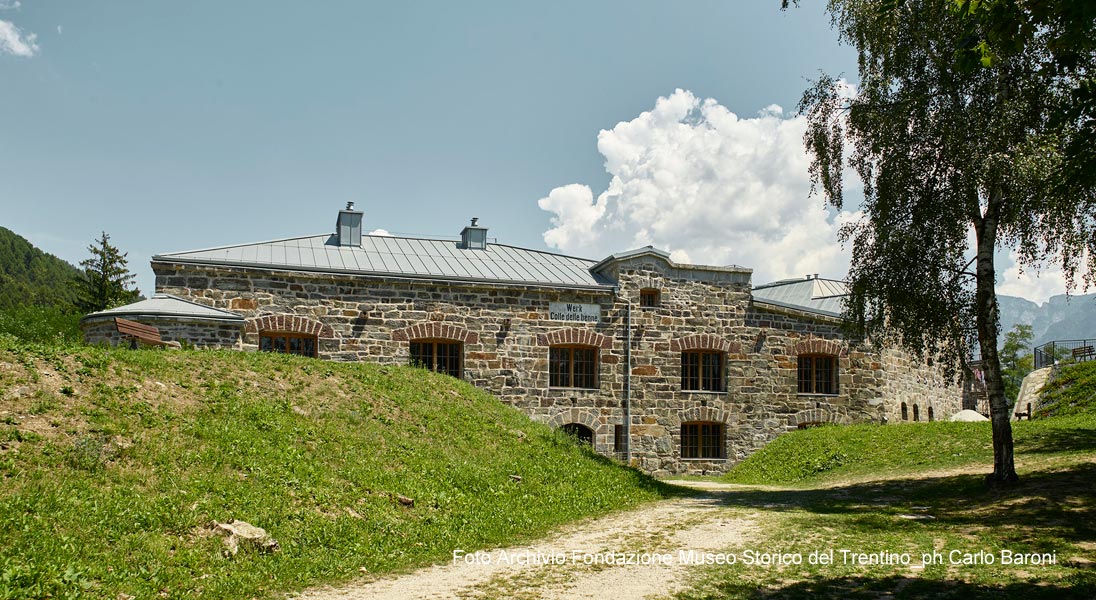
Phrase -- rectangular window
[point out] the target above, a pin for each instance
(439, 356)
(620, 443)
(649, 298)
(572, 367)
(702, 440)
(817, 375)
(288, 343)
(702, 371)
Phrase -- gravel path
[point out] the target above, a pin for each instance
(700, 524)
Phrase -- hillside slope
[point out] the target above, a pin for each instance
(1060, 318)
(114, 462)
(837, 452)
(29, 276)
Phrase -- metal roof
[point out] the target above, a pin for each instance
(403, 257)
(824, 296)
(166, 305)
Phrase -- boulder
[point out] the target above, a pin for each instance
(237, 532)
(968, 416)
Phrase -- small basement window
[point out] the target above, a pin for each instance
(440, 356)
(818, 374)
(702, 371)
(288, 343)
(650, 298)
(572, 367)
(702, 440)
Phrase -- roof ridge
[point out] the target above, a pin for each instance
(400, 237)
(227, 246)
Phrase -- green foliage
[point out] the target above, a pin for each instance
(43, 324)
(106, 278)
(30, 277)
(1072, 390)
(945, 149)
(1016, 360)
(150, 446)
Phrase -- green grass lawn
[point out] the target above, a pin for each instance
(113, 462)
(918, 489)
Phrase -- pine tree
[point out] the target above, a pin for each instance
(106, 278)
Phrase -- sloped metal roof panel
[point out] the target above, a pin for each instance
(403, 257)
(166, 305)
(825, 296)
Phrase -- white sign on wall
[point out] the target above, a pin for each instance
(576, 313)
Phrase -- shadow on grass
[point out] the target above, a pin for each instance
(1051, 441)
(1060, 503)
(1080, 586)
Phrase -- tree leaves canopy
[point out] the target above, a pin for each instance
(953, 157)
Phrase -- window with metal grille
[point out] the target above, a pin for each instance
(817, 374)
(288, 343)
(702, 371)
(650, 297)
(572, 367)
(440, 356)
(702, 440)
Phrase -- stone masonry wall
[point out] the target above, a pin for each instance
(200, 334)
(506, 335)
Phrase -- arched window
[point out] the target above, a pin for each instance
(817, 374)
(702, 371)
(931, 416)
(702, 439)
(572, 367)
(916, 413)
(905, 412)
(287, 343)
(441, 356)
(650, 298)
(581, 433)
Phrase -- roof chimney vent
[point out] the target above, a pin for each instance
(474, 237)
(348, 228)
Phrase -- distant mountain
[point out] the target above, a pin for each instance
(1057, 319)
(30, 277)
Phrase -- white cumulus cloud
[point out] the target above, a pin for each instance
(13, 41)
(1035, 284)
(694, 178)
(10, 4)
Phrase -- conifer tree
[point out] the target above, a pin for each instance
(107, 280)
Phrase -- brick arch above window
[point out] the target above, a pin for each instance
(290, 324)
(814, 415)
(582, 416)
(702, 414)
(575, 336)
(437, 331)
(819, 346)
(704, 341)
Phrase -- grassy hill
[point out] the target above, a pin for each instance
(1071, 391)
(113, 463)
(917, 491)
(838, 452)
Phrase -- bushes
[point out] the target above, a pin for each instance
(41, 324)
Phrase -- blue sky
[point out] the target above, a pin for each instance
(581, 127)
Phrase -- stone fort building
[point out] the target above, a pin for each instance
(674, 368)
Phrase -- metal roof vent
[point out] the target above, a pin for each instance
(348, 229)
(473, 236)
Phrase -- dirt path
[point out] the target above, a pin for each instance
(702, 524)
